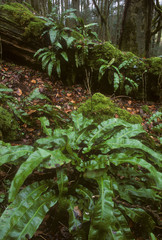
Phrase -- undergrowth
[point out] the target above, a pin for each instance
(105, 170)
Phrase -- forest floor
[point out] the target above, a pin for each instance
(23, 81)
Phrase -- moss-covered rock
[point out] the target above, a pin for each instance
(8, 126)
(101, 108)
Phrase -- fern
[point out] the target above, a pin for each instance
(62, 38)
(120, 81)
(105, 170)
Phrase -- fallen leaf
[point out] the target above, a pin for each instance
(33, 81)
(77, 212)
(72, 101)
(19, 92)
(59, 107)
(30, 129)
(31, 111)
(68, 110)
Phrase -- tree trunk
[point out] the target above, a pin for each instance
(136, 27)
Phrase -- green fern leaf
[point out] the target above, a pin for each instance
(26, 213)
(25, 170)
(65, 56)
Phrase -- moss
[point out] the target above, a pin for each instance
(22, 16)
(2, 85)
(138, 69)
(134, 68)
(8, 125)
(28, 6)
(155, 65)
(101, 108)
(34, 28)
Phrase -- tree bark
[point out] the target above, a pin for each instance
(136, 27)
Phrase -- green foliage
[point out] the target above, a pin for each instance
(120, 81)
(103, 169)
(62, 38)
(155, 117)
(8, 125)
(155, 122)
(59, 39)
(85, 40)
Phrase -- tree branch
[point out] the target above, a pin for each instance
(99, 12)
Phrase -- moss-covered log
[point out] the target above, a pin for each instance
(147, 73)
(20, 32)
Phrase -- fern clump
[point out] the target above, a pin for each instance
(104, 170)
(69, 47)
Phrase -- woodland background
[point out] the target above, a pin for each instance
(74, 163)
(131, 25)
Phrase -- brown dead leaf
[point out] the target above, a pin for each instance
(69, 94)
(19, 92)
(30, 129)
(129, 109)
(72, 101)
(33, 81)
(77, 212)
(68, 110)
(31, 111)
(57, 106)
